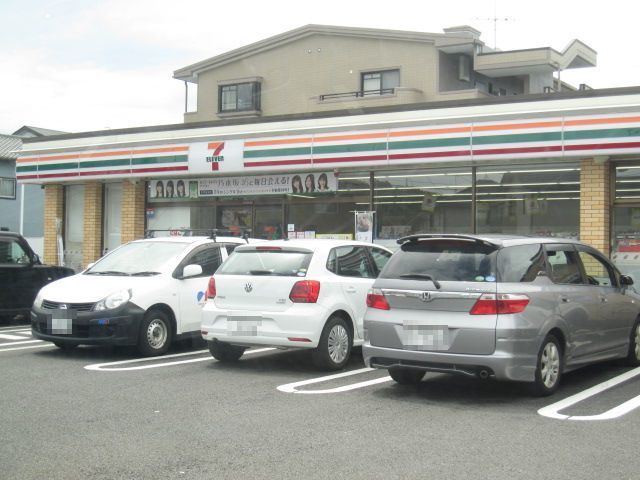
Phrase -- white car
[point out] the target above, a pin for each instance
(146, 293)
(292, 294)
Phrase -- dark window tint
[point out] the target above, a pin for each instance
(448, 260)
(598, 270)
(270, 262)
(12, 253)
(521, 263)
(380, 258)
(564, 266)
(209, 259)
(239, 97)
(350, 262)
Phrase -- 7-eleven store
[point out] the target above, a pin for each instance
(560, 165)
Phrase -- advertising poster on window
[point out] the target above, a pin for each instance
(173, 189)
(299, 183)
(364, 226)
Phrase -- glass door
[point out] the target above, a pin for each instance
(267, 222)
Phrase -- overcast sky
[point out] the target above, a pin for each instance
(79, 65)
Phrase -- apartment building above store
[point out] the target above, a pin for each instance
(318, 68)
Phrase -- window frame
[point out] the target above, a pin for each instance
(380, 73)
(12, 181)
(188, 260)
(371, 269)
(256, 93)
(613, 274)
(372, 259)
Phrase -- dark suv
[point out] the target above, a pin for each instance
(22, 276)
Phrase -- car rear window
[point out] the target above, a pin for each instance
(444, 260)
(270, 262)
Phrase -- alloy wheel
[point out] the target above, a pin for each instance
(550, 363)
(338, 343)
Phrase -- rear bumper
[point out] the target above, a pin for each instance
(503, 364)
(120, 326)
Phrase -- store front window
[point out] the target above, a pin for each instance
(422, 201)
(626, 220)
(74, 226)
(529, 200)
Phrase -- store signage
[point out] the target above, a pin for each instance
(296, 184)
(216, 156)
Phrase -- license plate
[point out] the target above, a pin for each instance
(62, 326)
(425, 337)
(243, 325)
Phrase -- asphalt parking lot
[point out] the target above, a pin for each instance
(101, 413)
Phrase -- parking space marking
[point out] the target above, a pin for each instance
(100, 367)
(552, 411)
(13, 344)
(5, 336)
(2, 350)
(292, 387)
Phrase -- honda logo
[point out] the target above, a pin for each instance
(248, 287)
(426, 296)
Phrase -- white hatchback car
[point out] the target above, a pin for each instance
(292, 294)
(146, 293)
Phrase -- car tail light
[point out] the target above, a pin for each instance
(502, 303)
(376, 299)
(305, 291)
(211, 289)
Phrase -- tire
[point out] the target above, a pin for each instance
(65, 346)
(633, 355)
(334, 347)
(406, 376)
(549, 366)
(155, 334)
(225, 352)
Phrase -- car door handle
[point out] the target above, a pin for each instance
(564, 299)
(351, 290)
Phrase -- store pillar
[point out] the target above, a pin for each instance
(53, 219)
(595, 203)
(92, 243)
(133, 210)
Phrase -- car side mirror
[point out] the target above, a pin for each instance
(626, 280)
(191, 271)
(35, 260)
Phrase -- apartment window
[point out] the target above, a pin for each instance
(239, 97)
(464, 68)
(8, 188)
(377, 83)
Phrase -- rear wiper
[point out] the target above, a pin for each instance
(144, 274)
(109, 272)
(421, 276)
(261, 272)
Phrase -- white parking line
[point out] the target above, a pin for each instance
(101, 366)
(552, 410)
(13, 344)
(5, 336)
(2, 350)
(292, 387)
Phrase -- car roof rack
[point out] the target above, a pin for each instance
(211, 233)
(456, 236)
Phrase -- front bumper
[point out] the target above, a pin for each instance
(120, 326)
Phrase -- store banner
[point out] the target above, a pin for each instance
(300, 184)
(172, 189)
(364, 226)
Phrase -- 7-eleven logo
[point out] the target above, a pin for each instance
(215, 158)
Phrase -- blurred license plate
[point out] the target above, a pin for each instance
(425, 337)
(62, 326)
(243, 325)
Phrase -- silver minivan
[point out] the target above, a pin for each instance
(507, 307)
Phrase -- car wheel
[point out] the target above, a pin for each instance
(65, 346)
(225, 352)
(548, 367)
(406, 376)
(155, 334)
(633, 357)
(335, 345)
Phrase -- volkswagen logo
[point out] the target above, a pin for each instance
(426, 296)
(248, 287)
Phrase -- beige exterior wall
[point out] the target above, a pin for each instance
(92, 245)
(53, 214)
(333, 65)
(133, 210)
(595, 203)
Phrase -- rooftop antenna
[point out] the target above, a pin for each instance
(495, 19)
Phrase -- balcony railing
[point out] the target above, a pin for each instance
(358, 94)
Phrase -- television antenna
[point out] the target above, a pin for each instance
(495, 19)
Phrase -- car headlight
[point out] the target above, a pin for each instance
(37, 303)
(113, 301)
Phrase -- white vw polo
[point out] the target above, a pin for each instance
(146, 293)
(292, 294)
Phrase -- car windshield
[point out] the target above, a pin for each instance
(443, 260)
(137, 257)
(270, 262)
